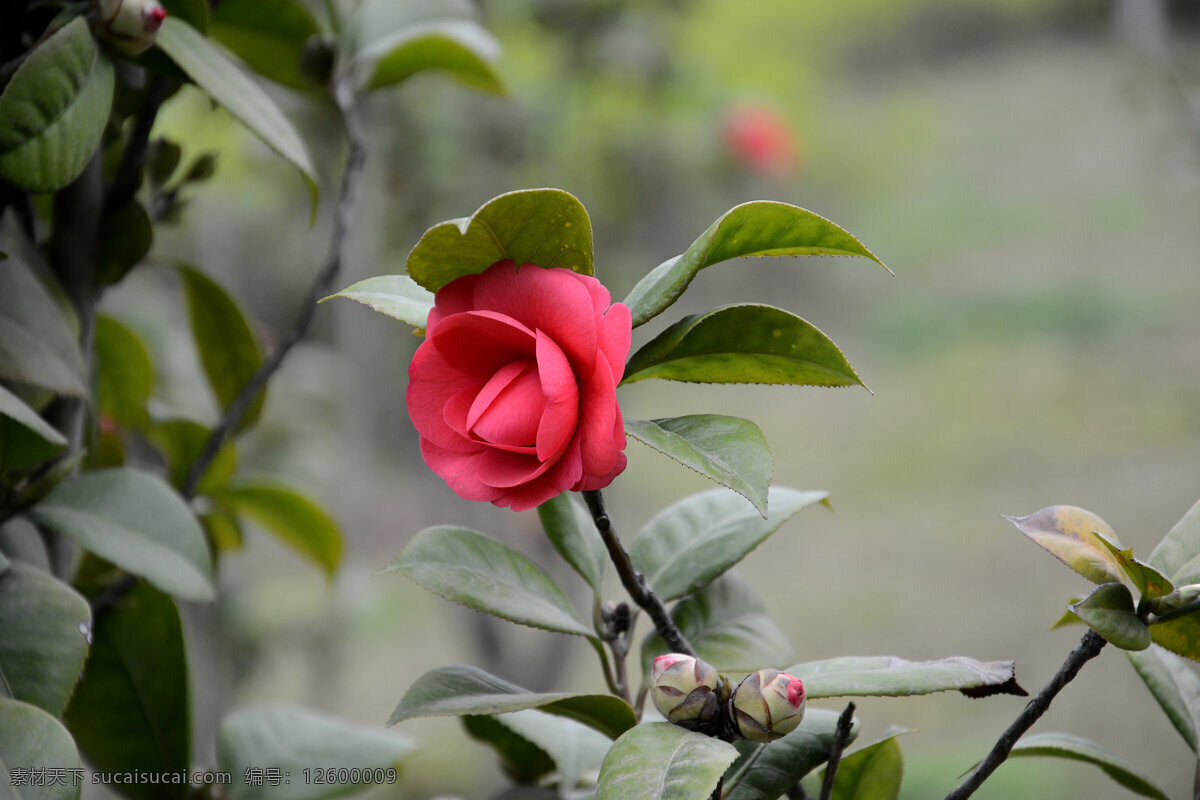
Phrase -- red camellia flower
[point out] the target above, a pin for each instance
(513, 390)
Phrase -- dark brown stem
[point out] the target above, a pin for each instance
(635, 582)
(1087, 649)
(342, 91)
(133, 158)
(841, 738)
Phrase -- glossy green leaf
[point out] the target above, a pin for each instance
(888, 676)
(688, 544)
(1180, 635)
(570, 528)
(459, 689)
(1176, 687)
(226, 83)
(729, 626)
(126, 235)
(25, 438)
(1069, 533)
(1150, 583)
(572, 748)
(124, 373)
(296, 740)
(765, 772)
(661, 761)
(458, 47)
(743, 344)
(522, 761)
(31, 739)
(873, 772)
(54, 109)
(229, 351)
(181, 441)
(398, 296)
(1064, 745)
(481, 573)
(137, 522)
(547, 227)
(37, 342)
(293, 518)
(759, 228)
(131, 711)
(1110, 612)
(46, 626)
(729, 450)
(269, 35)
(1178, 555)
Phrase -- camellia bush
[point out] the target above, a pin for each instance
(113, 507)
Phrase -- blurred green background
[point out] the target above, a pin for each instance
(1029, 170)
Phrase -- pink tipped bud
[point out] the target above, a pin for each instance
(152, 18)
(128, 26)
(686, 690)
(768, 704)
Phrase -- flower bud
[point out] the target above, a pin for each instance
(768, 704)
(686, 690)
(128, 26)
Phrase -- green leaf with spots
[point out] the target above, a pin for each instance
(547, 227)
(743, 344)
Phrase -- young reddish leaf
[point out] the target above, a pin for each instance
(1069, 533)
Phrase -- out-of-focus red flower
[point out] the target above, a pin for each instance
(759, 138)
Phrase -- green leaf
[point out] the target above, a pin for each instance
(1178, 555)
(888, 676)
(226, 83)
(398, 296)
(873, 772)
(135, 521)
(181, 441)
(1150, 583)
(661, 761)
(458, 690)
(228, 349)
(25, 438)
(124, 373)
(1109, 611)
(53, 111)
(547, 227)
(688, 544)
(522, 761)
(743, 344)
(126, 235)
(729, 450)
(572, 748)
(193, 12)
(295, 519)
(1180, 635)
(728, 625)
(459, 47)
(1069, 533)
(295, 740)
(481, 573)
(32, 740)
(752, 229)
(766, 772)
(571, 530)
(223, 530)
(1064, 745)
(20, 541)
(37, 343)
(46, 626)
(1176, 687)
(131, 710)
(269, 35)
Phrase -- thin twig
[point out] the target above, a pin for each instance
(634, 581)
(341, 89)
(133, 158)
(1088, 648)
(841, 738)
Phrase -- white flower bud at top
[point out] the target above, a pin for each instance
(686, 690)
(128, 26)
(768, 704)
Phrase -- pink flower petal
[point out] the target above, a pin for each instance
(508, 408)
(479, 343)
(597, 409)
(460, 471)
(432, 383)
(614, 333)
(561, 392)
(504, 470)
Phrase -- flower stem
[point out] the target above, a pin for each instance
(841, 737)
(1088, 648)
(634, 581)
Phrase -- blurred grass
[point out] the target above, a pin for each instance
(1035, 194)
